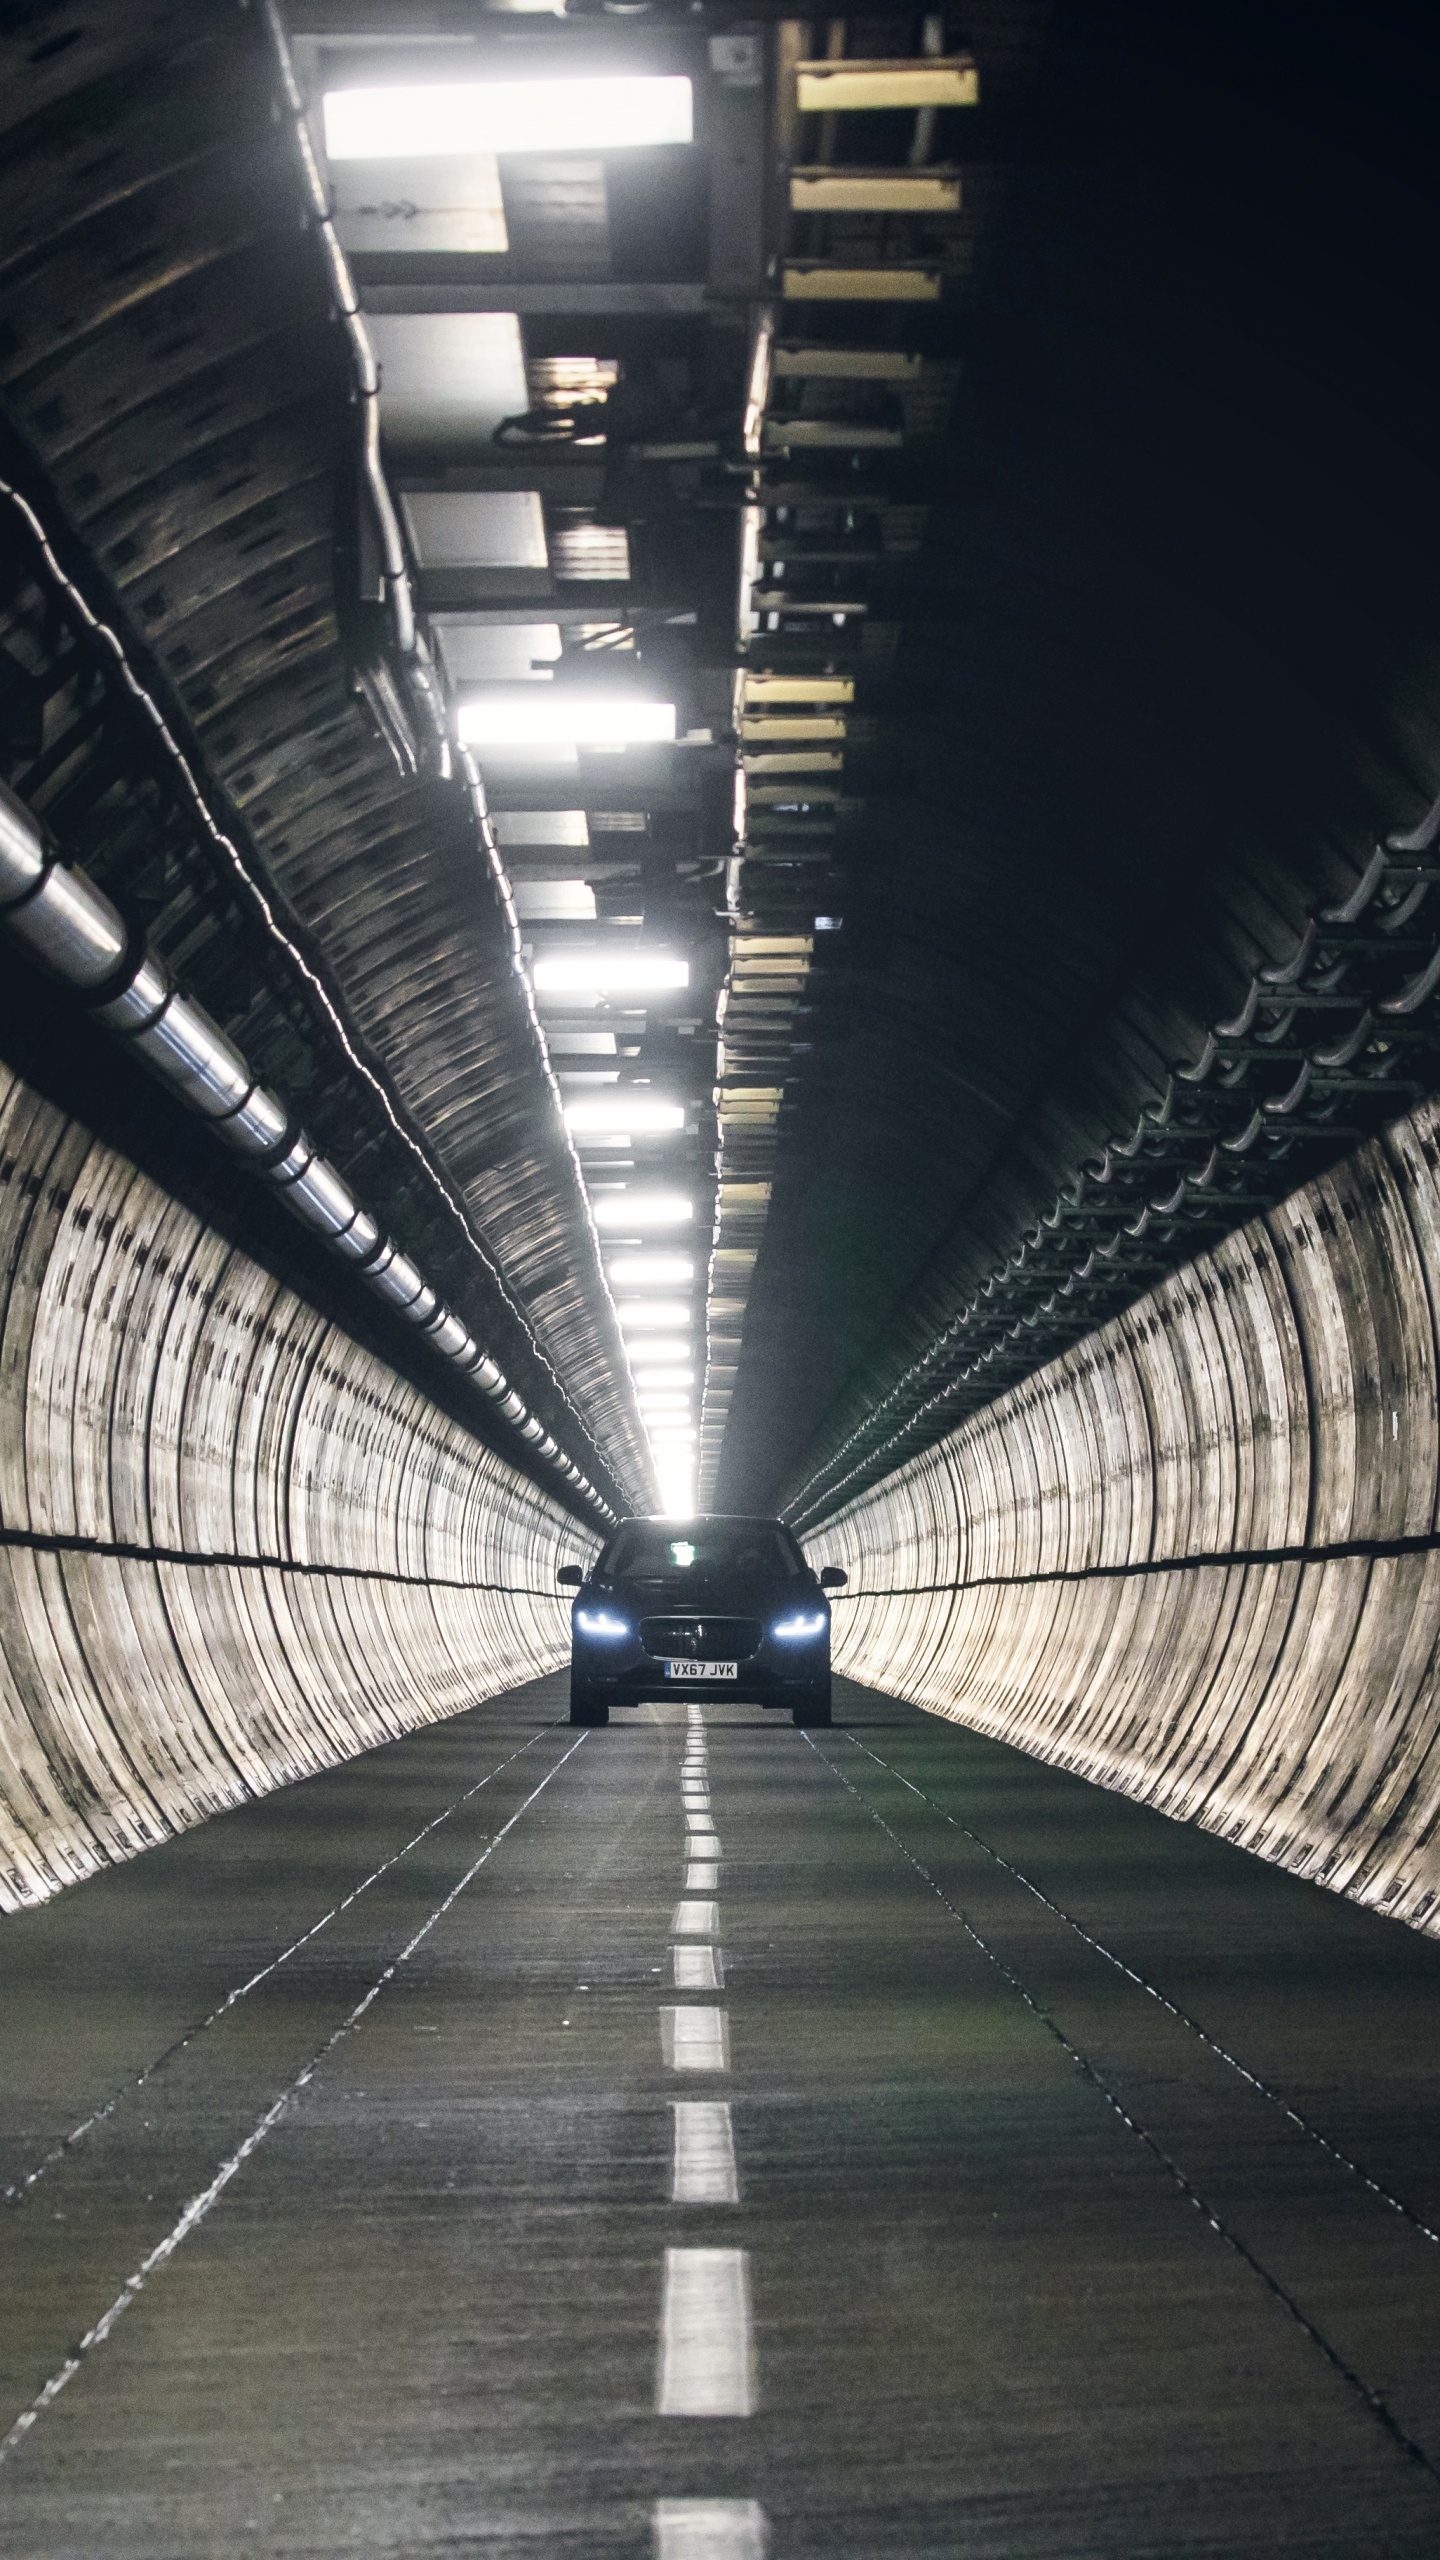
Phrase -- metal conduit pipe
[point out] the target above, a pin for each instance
(59, 918)
(422, 677)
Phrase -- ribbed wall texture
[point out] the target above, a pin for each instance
(1120, 1565)
(312, 1557)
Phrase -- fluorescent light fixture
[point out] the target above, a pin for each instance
(623, 1110)
(651, 1270)
(662, 1374)
(640, 1209)
(609, 973)
(426, 120)
(563, 715)
(654, 1315)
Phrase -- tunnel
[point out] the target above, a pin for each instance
(719, 800)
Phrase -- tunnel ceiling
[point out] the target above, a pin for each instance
(1165, 668)
(1085, 526)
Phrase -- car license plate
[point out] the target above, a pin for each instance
(702, 1671)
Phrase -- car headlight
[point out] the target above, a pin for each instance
(601, 1622)
(795, 1630)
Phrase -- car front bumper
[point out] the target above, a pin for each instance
(775, 1676)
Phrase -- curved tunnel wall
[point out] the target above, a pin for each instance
(307, 1557)
(1129, 1564)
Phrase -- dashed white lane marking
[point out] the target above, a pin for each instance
(199, 2206)
(21, 2188)
(701, 1879)
(710, 2529)
(695, 1920)
(702, 2162)
(695, 2039)
(701, 1844)
(699, 1968)
(706, 2357)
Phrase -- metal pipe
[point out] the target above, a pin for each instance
(59, 918)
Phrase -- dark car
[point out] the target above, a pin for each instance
(717, 1607)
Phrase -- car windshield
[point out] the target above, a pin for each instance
(657, 1551)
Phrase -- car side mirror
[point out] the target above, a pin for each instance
(832, 1579)
(571, 1576)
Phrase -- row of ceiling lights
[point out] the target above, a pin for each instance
(529, 722)
(654, 1288)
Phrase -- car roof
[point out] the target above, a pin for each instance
(700, 1520)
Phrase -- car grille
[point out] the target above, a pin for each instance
(701, 1639)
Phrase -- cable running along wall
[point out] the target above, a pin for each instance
(1278, 1394)
(160, 1391)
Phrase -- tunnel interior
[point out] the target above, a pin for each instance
(719, 793)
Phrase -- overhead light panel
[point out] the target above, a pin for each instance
(609, 973)
(651, 1270)
(623, 1110)
(563, 715)
(405, 120)
(638, 1210)
(654, 1315)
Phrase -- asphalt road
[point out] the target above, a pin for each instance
(952, 2159)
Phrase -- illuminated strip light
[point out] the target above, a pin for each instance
(758, 392)
(750, 528)
(544, 716)
(460, 118)
(606, 972)
(651, 1270)
(619, 1114)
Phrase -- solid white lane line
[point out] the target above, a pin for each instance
(698, 1968)
(706, 2358)
(701, 1879)
(695, 2039)
(695, 1920)
(199, 2206)
(710, 2529)
(242, 1991)
(702, 2163)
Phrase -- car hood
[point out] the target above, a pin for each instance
(749, 1597)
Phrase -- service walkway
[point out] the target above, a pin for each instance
(936, 2157)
